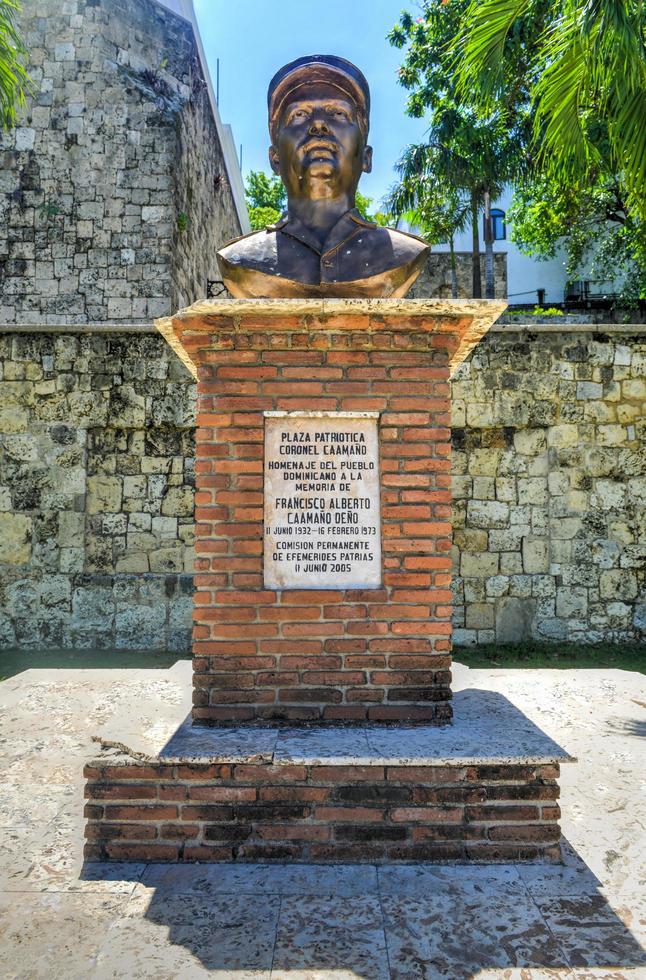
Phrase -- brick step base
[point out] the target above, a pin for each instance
(249, 810)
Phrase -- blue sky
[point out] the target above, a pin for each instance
(253, 39)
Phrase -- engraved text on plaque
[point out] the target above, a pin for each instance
(322, 525)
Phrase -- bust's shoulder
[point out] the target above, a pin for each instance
(400, 247)
(257, 244)
(404, 245)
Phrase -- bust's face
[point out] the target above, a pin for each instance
(319, 151)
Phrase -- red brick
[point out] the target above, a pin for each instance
(270, 852)
(294, 794)
(427, 814)
(120, 831)
(175, 792)
(222, 794)
(550, 813)
(549, 772)
(432, 775)
(137, 811)
(321, 662)
(134, 771)
(141, 852)
(533, 833)
(264, 774)
(310, 695)
(348, 814)
(345, 712)
(293, 832)
(179, 831)
(503, 812)
(115, 791)
(346, 774)
(207, 852)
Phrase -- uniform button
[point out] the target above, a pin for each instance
(327, 263)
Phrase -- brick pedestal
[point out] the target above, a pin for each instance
(481, 790)
(303, 655)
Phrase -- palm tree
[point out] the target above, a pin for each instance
(438, 211)
(466, 159)
(13, 76)
(586, 73)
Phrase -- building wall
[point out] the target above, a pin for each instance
(117, 142)
(525, 275)
(96, 491)
(204, 217)
(96, 478)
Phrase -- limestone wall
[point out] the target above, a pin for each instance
(96, 437)
(435, 278)
(549, 486)
(96, 491)
(113, 191)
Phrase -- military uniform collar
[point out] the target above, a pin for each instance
(348, 224)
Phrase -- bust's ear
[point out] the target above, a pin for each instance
(367, 159)
(274, 163)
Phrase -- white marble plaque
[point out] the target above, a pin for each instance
(322, 525)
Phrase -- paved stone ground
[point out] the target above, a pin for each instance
(58, 919)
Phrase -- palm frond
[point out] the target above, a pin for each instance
(13, 75)
(558, 97)
(478, 51)
(594, 69)
(628, 144)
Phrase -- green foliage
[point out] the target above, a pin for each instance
(555, 656)
(469, 155)
(537, 311)
(585, 74)
(265, 192)
(434, 207)
(590, 220)
(183, 222)
(556, 90)
(14, 79)
(364, 204)
(266, 199)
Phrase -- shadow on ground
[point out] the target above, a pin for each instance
(371, 922)
(634, 727)
(406, 921)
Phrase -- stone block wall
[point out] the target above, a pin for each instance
(113, 191)
(435, 279)
(96, 491)
(96, 450)
(549, 486)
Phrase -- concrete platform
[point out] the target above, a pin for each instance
(61, 918)
(487, 727)
(482, 789)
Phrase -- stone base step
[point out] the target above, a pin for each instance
(255, 811)
(484, 790)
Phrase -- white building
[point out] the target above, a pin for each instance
(530, 280)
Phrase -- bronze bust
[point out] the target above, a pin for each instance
(319, 109)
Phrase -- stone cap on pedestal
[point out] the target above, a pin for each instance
(468, 320)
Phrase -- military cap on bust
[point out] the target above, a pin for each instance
(337, 72)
